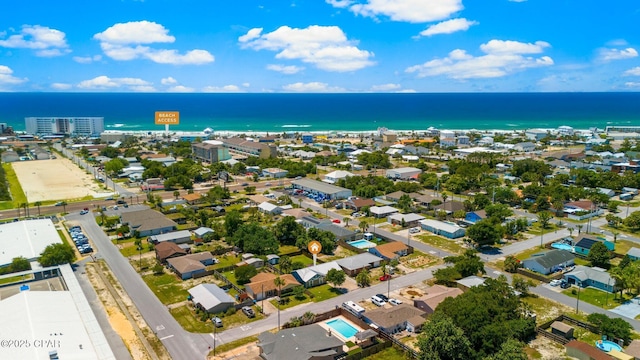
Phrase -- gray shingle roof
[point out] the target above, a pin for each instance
(358, 261)
(299, 343)
(553, 258)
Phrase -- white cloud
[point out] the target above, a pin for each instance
(46, 41)
(340, 3)
(633, 72)
(448, 27)
(87, 59)
(123, 41)
(135, 32)
(285, 69)
(385, 87)
(61, 86)
(6, 76)
(501, 58)
(616, 54)
(168, 81)
(518, 1)
(406, 91)
(223, 89)
(311, 87)
(246, 84)
(105, 82)
(180, 89)
(413, 11)
(632, 84)
(326, 47)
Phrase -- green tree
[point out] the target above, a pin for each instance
(633, 221)
(56, 254)
(498, 211)
(19, 264)
(441, 339)
(278, 281)
(232, 221)
(404, 203)
(613, 328)
(298, 292)
(64, 206)
(336, 277)
(363, 278)
(158, 269)
(485, 233)
(544, 217)
(363, 225)
(287, 230)
(285, 264)
(522, 285)
(510, 350)
(511, 264)
(38, 204)
(255, 239)
(467, 264)
(244, 273)
(599, 255)
(447, 276)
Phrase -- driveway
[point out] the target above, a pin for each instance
(629, 309)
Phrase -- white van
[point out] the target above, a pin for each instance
(376, 300)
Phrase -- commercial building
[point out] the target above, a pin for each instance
(74, 126)
(27, 238)
(245, 147)
(210, 151)
(442, 228)
(405, 173)
(324, 190)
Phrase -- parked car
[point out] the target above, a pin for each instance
(217, 321)
(414, 230)
(565, 285)
(383, 297)
(83, 212)
(59, 203)
(385, 277)
(268, 184)
(336, 221)
(555, 282)
(248, 311)
(378, 301)
(395, 301)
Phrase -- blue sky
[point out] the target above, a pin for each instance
(320, 46)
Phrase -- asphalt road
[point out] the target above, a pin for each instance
(179, 343)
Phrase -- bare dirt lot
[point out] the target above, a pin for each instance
(55, 179)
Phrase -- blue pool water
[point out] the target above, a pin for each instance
(606, 345)
(342, 327)
(362, 244)
(562, 246)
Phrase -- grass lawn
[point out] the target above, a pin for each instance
(419, 260)
(293, 301)
(390, 353)
(166, 287)
(535, 229)
(239, 318)
(231, 276)
(16, 278)
(131, 250)
(597, 297)
(320, 293)
(302, 259)
(187, 319)
(234, 344)
(226, 261)
(623, 246)
(451, 246)
(287, 249)
(581, 261)
(17, 194)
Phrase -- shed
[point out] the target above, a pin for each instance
(211, 298)
(562, 329)
(273, 259)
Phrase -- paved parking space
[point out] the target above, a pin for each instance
(630, 309)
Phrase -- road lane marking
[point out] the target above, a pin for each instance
(159, 327)
(166, 337)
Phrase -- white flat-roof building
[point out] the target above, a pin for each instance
(404, 173)
(324, 190)
(334, 176)
(83, 126)
(26, 238)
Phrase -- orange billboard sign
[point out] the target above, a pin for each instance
(167, 117)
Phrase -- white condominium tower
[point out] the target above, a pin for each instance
(74, 126)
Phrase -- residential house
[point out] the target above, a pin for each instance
(296, 213)
(334, 176)
(262, 285)
(583, 351)
(525, 147)
(357, 203)
(168, 250)
(395, 196)
(549, 261)
(584, 276)
(470, 281)
(443, 228)
(352, 265)
(252, 261)
(269, 208)
(147, 222)
(634, 253)
(307, 138)
(473, 217)
(315, 275)
(273, 259)
(584, 242)
(310, 342)
(425, 200)
(192, 199)
(409, 220)
(433, 296)
(608, 192)
(634, 349)
(535, 134)
(390, 250)
(202, 231)
(382, 211)
(394, 319)
(211, 298)
(188, 266)
(274, 173)
(450, 206)
(177, 237)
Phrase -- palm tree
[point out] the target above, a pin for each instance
(444, 201)
(285, 265)
(579, 226)
(278, 281)
(570, 231)
(363, 278)
(346, 220)
(176, 194)
(615, 235)
(38, 204)
(363, 225)
(64, 206)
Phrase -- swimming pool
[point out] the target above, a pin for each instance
(342, 327)
(362, 244)
(606, 345)
(562, 246)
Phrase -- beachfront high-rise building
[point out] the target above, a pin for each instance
(210, 151)
(74, 126)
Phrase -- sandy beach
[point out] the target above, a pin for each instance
(55, 179)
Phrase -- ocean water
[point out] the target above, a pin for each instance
(278, 113)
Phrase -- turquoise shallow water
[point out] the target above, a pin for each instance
(332, 112)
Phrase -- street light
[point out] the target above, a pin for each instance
(578, 299)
